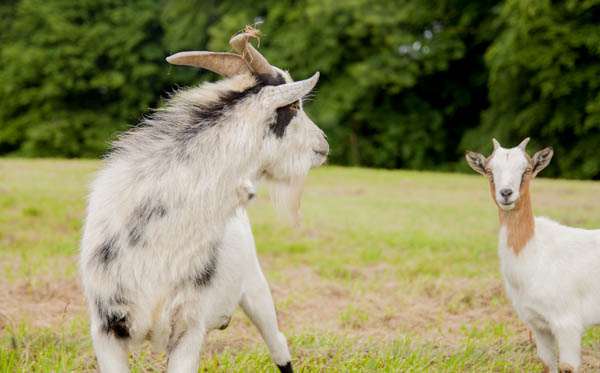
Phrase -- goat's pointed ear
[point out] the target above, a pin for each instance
(541, 159)
(224, 64)
(496, 144)
(285, 94)
(476, 161)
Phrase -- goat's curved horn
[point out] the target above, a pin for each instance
(225, 64)
(523, 144)
(286, 94)
(257, 63)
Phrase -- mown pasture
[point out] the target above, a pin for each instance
(390, 271)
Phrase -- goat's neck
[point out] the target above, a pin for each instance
(519, 222)
(215, 198)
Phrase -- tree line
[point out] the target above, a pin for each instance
(404, 83)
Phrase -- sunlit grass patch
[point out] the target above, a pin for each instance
(388, 271)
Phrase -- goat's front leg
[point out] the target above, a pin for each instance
(568, 336)
(111, 352)
(184, 355)
(258, 305)
(546, 349)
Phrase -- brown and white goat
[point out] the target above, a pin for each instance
(551, 271)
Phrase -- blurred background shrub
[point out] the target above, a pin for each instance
(404, 84)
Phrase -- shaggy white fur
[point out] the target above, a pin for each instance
(167, 252)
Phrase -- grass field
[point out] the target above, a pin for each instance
(390, 271)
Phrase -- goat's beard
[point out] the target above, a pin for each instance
(287, 196)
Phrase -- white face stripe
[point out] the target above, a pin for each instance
(507, 167)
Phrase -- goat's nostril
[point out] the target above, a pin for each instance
(506, 193)
(325, 136)
(323, 152)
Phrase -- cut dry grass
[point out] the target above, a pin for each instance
(390, 271)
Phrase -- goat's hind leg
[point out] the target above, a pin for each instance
(111, 351)
(184, 354)
(568, 336)
(546, 349)
(257, 303)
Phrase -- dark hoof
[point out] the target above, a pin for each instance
(224, 326)
(565, 368)
(546, 368)
(287, 368)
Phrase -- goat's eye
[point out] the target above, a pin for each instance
(294, 106)
(528, 171)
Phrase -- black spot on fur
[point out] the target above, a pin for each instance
(209, 114)
(285, 114)
(204, 276)
(142, 214)
(267, 79)
(113, 321)
(107, 251)
(287, 368)
(119, 326)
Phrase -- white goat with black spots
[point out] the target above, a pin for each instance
(551, 271)
(167, 252)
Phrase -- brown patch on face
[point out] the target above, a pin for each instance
(519, 221)
(493, 190)
(491, 177)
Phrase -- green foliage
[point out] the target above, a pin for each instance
(545, 83)
(393, 90)
(406, 83)
(76, 72)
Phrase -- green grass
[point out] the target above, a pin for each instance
(389, 271)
